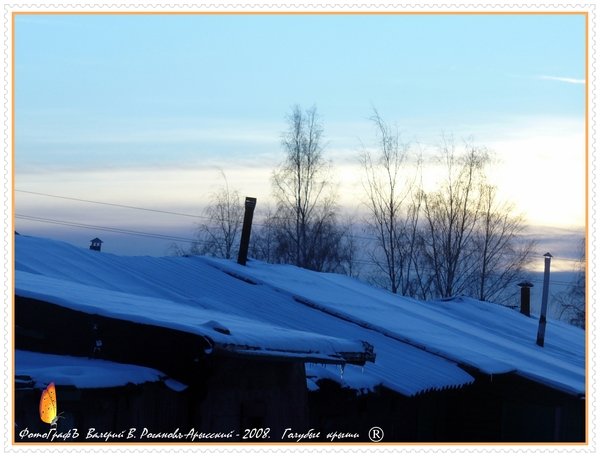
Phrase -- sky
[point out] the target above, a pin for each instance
(147, 110)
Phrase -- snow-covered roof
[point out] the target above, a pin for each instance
(486, 336)
(200, 283)
(38, 370)
(224, 332)
(419, 345)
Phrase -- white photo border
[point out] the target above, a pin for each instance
(8, 178)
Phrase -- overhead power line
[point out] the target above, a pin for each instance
(111, 204)
(533, 256)
(118, 205)
(169, 237)
(106, 229)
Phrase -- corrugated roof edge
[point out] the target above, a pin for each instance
(579, 393)
(545, 381)
(339, 315)
(449, 357)
(338, 358)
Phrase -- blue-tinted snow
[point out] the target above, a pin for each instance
(200, 283)
(226, 331)
(83, 372)
(487, 336)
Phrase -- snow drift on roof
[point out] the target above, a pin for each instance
(226, 332)
(202, 285)
(486, 336)
(80, 372)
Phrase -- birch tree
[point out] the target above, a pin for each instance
(450, 215)
(306, 229)
(501, 256)
(394, 203)
(219, 236)
(470, 237)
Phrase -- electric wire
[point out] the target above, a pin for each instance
(533, 256)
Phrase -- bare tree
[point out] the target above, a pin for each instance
(501, 257)
(394, 207)
(451, 214)
(221, 234)
(572, 301)
(350, 248)
(471, 239)
(263, 244)
(306, 229)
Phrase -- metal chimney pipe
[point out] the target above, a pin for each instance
(250, 204)
(525, 297)
(542, 324)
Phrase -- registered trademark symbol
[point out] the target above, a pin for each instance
(376, 434)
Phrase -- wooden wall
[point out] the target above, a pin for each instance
(238, 394)
(226, 392)
(505, 408)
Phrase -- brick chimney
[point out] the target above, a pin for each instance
(525, 297)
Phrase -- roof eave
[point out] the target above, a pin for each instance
(337, 358)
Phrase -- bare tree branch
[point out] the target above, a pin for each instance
(305, 228)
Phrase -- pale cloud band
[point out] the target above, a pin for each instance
(562, 79)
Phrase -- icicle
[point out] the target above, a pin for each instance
(98, 346)
(342, 366)
(362, 370)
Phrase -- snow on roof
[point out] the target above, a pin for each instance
(81, 372)
(486, 336)
(226, 332)
(213, 290)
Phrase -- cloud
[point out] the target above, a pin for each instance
(562, 79)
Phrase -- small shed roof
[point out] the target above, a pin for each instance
(41, 369)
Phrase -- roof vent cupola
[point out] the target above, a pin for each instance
(96, 244)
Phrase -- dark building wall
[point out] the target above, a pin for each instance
(505, 408)
(50, 328)
(537, 413)
(113, 410)
(239, 394)
(242, 394)
(423, 418)
(225, 392)
(509, 408)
